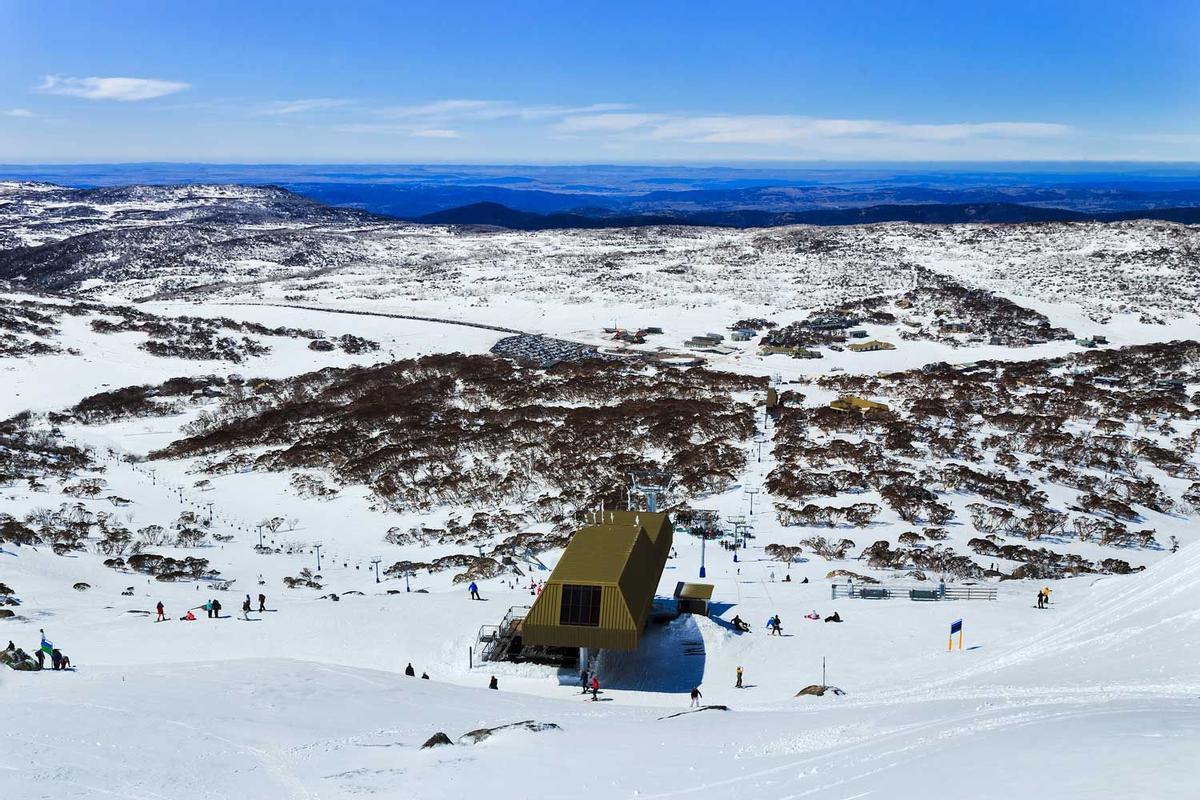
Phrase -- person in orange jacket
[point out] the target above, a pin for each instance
(595, 686)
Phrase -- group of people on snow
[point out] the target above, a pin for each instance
(1043, 597)
(58, 659)
(590, 682)
(412, 673)
(212, 609)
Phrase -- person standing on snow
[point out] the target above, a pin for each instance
(583, 680)
(1041, 600)
(246, 608)
(474, 590)
(208, 608)
(409, 671)
(493, 683)
(162, 612)
(739, 678)
(262, 602)
(696, 697)
(216, 608)
(595, 686)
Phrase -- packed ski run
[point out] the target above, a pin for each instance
(256, 484)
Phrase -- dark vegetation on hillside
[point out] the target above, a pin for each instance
(1101, 423)
(484, 432)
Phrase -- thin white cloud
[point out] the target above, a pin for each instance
(436, 133)
(19, 112)
(466, 109)
(595, 123)
(119, 89)
(280, 107)
(786, 129)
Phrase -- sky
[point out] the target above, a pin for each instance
(598, 82)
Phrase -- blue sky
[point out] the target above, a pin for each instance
(265, 81)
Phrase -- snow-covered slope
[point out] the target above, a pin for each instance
(1093, 697)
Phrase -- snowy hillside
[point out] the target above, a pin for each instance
(218, 391)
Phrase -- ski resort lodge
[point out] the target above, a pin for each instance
(600, 593)
(852, 402)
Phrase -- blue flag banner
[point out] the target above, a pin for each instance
(47, 645)
(955, 626)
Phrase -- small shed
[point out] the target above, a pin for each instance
(693, 598)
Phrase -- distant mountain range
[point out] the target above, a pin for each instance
(498, 215)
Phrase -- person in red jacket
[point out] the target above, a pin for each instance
(595, 687)
(162, 612)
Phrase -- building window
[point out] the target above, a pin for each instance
(580, 606)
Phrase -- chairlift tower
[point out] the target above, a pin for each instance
(650, 483)
(709, 521)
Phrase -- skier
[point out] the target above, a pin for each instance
(493, 683)
(216, 608)
(162, 612)
(246, 608)
(208, 608)
(696, 697)
(474, 590)
(409, 671)
(583, 680)
(595, 686)
(739, 678)
(262, 602)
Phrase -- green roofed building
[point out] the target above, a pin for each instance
(600, 594)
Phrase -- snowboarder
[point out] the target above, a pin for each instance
(162, 612)
(813, 615)
(595, 686)
(474, 590)
(56, 659)
(1041, 599)
(739, 678)
(1046, 592)
(216, 608)
(409, 671)
(424, 676)
(696, 697)
(189, 616)
(66, 662)
(583, 680)
(740, 625)
(262, 602)
(208, 608)
(246, 608)
(493, 683)
(834, 618)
